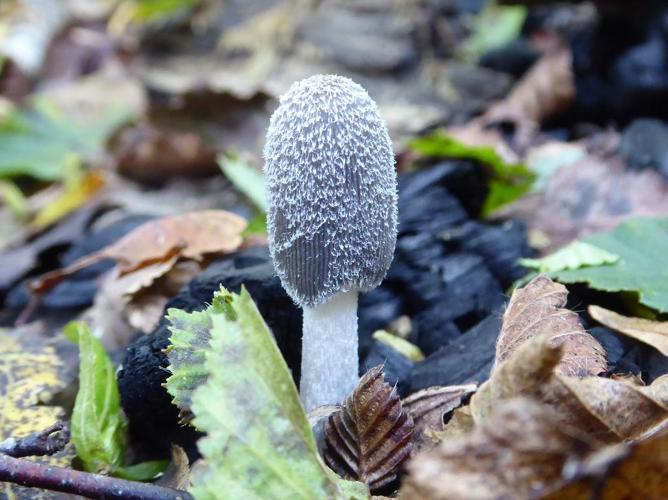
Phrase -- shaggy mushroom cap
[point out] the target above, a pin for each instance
(331, 187)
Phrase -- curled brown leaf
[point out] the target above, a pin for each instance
(429, 406)
(518, 450)
(190, 236)
(538, 308)
(370, 437)
(608, 410)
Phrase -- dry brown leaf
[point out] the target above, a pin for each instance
(516, 452)
(590, 196)
(546, 89)
(177, 474)
(609, 410)
(428, 407)
(654, 333)
(370, 437)
(635, 471)
(539, 308)
(190, 235)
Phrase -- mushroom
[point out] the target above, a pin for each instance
(332, 220)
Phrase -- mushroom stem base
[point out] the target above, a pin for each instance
(330, 361)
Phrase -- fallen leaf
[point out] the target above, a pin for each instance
(259, 442)
(428, 408)
(587, 197)
(177, 474)
(654, 333)
(573, 256)
(370, 437)
(635, 471)
(546, 89)
(18, 261)
(518, 450)
(31, 373)
(74, 194)
(41, 140)
(608, 410)
(641, 245)
(539, 308)
(191, 236)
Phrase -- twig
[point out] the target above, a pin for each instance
(47, 442)
(35, 475)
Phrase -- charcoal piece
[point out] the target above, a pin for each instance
(153, 418)
(614, 345)
(396, 367)
(79, 289)
(640, 78)
(433, 211)
(376, 310)
(500, 245)
(514, 58)
(419, 251)
(461, 287)
(466, 359)
(644, 144)
(466, 181)
(431, 330)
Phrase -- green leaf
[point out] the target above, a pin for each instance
(145, 11)
(246, 179)
(144, 471)
(41, 141)
(98, 429)
(641, 267)
(494, 27)
(577, 255)
(259, 443)
(186, 353)
(507, 181)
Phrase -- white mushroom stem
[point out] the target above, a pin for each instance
(329, 351)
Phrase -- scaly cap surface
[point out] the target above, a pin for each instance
(331, 188)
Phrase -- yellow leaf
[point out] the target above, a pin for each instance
(73, 196)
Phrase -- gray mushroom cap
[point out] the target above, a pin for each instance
(331, 188)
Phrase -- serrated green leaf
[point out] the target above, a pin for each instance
(259, 443)
(98, 429)
(246, 179)
(40, 140)
(641, 245)
(186, 354)
(576, 255)
(507, 181)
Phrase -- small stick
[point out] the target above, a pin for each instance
(35, 475)
(47, 442)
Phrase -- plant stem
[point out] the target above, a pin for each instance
(37, 475)
(330, 363)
